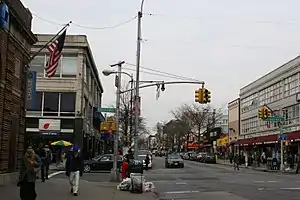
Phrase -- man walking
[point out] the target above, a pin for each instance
(74, 169)
(43, 155)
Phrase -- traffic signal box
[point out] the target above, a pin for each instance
(264, 113)
(202, 96)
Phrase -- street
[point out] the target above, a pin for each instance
(212, 182)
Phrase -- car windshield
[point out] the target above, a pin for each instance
(210, 154)
(96, 158)
(174, 157)
(141, 157)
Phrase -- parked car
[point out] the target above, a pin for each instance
(201, 156)
(174, 160)
(210, 158)
(101, 163)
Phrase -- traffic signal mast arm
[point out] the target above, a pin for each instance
(166, 83)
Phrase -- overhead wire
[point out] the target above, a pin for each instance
(88, 27)
(164, 73)
(158, 74)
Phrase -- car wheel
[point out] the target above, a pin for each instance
(182, 166)
(87, 168)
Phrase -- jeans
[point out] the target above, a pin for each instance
(74, 181)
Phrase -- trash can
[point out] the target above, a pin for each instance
(137, 181)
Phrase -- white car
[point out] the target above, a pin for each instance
(143, 158)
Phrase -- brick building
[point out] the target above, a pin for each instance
(15, 42)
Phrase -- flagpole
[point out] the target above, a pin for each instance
(39, 51)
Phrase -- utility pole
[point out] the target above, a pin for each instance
(130, 111)
(137, 92)
(115, 171)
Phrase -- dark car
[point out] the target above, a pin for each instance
(101, 163)
(174, 160)
(210, 158)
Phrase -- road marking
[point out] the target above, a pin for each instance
(272, 181)
(259, 181)
(182, 183)
(290, 188)
(181, 192)
(56, 173)
(260, 189)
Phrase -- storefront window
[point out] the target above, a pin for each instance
(67, 104)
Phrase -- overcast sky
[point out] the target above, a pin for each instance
(227, 44)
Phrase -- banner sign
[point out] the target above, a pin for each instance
(31, 90)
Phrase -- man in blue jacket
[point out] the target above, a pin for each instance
(74, 169)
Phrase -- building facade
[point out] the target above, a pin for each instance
(66, 104)
(279, 90)
(16, 40)
(234, 120)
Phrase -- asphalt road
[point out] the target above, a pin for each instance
(215, 182)
(212, 182)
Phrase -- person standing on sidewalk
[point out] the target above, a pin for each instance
(28, 170)
(74, 169)
(236, 161)
(43, 155)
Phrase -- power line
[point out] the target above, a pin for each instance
(87, 27)
(157, 74)
(166, 73)
(292, 22)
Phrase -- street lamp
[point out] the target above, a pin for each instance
(114, 171)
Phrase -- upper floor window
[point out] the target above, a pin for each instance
(55, 104)
(69, 66)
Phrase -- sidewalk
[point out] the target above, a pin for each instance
(262, 169)
(58, 189)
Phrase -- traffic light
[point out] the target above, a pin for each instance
(206, 95)
(267, 112)
(261, 113)
(199, 96)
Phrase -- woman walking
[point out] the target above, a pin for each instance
(29, 168)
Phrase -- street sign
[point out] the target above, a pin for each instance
(282, 137)
(109, 110)
(274, 119)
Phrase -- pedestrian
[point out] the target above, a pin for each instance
(48, 160)
(147, 161)
(74, 169)
(298, 163)
(236, 161)
(28, 170)
(42, 154)
(125, 166)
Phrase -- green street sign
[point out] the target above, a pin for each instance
(108, 110)
(274, 119)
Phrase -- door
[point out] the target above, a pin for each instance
(105, 162)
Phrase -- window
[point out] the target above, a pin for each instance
(106, 158)
(38, 103)
(84, 71)
(68, 123)
(17, 68)
(69, 66)
(67, 103)
(51, 100)
(38, 64)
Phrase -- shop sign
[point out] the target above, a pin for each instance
(50, 133)
(49, 124)
(222, 141)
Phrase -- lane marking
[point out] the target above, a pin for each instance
(56, 173)
(181, 183)
(272, 181)
(260, 189)
(298, 188)
(181, 192)
(259, 181)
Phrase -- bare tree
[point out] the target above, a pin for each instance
(197, 118)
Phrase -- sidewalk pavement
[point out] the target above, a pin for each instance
(262, 169)
(59, 189)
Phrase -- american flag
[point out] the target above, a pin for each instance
(55, 49)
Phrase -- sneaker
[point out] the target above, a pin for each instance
(75, 194)
(71, 190)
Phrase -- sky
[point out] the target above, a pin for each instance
(227, 44)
